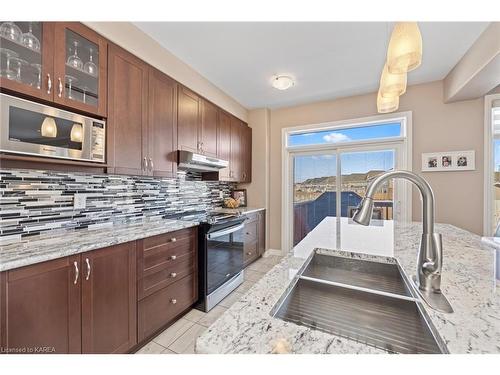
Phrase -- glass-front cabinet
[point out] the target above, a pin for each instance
(63, 62)
(26, 58)
(80, 68)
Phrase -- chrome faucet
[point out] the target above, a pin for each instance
(430, 254)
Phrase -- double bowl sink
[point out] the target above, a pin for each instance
(367, 301)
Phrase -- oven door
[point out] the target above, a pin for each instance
(224, 255)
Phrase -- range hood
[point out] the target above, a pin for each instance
(200, 163)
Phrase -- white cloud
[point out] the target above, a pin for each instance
(336, 137)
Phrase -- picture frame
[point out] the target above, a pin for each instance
(451, 161)
(241, 195)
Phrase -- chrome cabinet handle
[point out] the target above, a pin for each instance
(60, 87)
(49, 84)
(173, 274)
(173, 301)
(77, 272)
(173, 239)
(151, 165)
(88, 268)
(173, 257)
(144, 164)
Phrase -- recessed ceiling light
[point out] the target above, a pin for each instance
(282, 82)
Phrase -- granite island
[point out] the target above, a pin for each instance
(468, 281)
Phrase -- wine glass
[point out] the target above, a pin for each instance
(7, 72)
(70, 81)
(38, 75)
(29, 40)
(20, 62)
(74, 61)
(89, 66)
(11, 31)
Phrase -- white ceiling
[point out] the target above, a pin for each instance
(327, 59)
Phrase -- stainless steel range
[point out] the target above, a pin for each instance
(220, 255)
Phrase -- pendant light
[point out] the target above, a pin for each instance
(392, 85)
(405, 48)
(387, 105)
(49, 127)
(76, 133)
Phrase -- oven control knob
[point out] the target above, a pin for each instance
(173, 274)
(173, 301)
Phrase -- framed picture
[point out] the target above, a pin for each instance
(241, 196)
(449, 161)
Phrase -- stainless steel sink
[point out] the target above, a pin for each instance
(367, 301)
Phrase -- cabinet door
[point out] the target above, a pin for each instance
(42, 307)
(109, 300)
(236, 150)
(246, 153)
(27, 58)
(188, 121)
(208, 130)
(162, 129)
(80, 68)
(224, 143)
(127, 112)
(261, 232)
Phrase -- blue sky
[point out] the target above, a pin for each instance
(355, 162)
(497, 155)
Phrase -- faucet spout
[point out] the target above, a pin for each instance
(430, 254)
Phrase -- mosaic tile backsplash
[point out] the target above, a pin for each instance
(34, 202)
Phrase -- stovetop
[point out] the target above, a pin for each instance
(204, 217)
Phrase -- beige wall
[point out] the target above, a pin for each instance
(134, 40)
(436, 127)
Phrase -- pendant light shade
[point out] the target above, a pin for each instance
(387, 105)
(392, 85)
(405, 48)
(76, 133)
(49, 127)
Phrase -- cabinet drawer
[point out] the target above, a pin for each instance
(160, 308)
(253, 216)
(250, 252)
(161, 256)
(166, 274)
(251, 231)
(162, 239)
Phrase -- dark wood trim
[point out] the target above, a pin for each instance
(3, 304)
(60, 66)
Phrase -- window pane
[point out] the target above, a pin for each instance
(314, 192)
(357, 170)
(496, 186)
(364, 133)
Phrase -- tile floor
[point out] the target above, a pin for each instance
(181, 336)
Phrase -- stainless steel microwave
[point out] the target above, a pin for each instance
(30, 128)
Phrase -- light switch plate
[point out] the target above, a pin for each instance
(79, 201)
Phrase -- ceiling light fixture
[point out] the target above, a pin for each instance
(392, 85)
(49, 127)
(282, 82)
(405, 48)
(387, 105)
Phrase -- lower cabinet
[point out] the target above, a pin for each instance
(80, 304)
(167, 270)
(254, 236)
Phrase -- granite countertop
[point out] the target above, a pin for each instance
(468, 281)
(240, 210)
(64, 243)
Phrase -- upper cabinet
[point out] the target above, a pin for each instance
(62, 62)
(80, 68)
(188, 120)
(224, 143)
(246, 150)
(26, 58)
(127, 113)
(208, 129)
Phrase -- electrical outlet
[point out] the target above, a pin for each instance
(79, 201)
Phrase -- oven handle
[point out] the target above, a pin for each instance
(225, 231)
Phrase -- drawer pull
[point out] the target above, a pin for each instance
(249, 253)
(173, 274)
(173, 239)
(173, 257)
(173, 301)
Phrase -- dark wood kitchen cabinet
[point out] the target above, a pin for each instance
(254, 243)
(162, 124)
(83, 303)
(80, 68)
(67, 66)
(188, 120)
(236, 160)
(261, 232)
(246, 153)
(109, 297)
(42, 307)
(224, 143)
(208, 128)
(127, 113)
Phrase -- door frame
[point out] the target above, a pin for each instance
(402, 145)
(489, 164)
